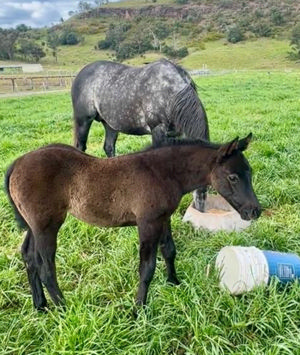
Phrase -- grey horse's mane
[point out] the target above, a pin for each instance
(187, 113)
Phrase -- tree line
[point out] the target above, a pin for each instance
(129, 40)
(25, 43)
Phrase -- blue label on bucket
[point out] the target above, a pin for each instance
(285, 266)
(285, 271)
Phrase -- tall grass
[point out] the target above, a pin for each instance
(97, 267)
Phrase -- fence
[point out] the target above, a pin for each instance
(19, 83)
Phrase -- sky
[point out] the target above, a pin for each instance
(34, 13)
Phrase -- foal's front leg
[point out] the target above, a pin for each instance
(149, 233)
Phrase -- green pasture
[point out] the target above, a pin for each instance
(97, 267)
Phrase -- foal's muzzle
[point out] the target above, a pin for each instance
(247, 213)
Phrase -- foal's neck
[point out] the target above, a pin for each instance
(191, 166)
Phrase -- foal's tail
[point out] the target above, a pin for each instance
(20, 220)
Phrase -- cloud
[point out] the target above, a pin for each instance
(34, 13)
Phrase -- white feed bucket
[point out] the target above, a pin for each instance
(218, 215)
(243, 268)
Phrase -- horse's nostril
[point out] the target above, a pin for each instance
(246, 214)
(256, 212)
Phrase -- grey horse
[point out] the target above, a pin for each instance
(159, 98)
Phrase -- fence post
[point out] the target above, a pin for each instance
(13, 84)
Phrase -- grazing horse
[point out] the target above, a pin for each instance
(159, 99)
(45, 184)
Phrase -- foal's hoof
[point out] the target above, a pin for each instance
(173, 281)
(139, 305)
(42, 309)
(134, 312)
(61, 307)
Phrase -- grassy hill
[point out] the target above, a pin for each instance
(202, 27)
(217, 55)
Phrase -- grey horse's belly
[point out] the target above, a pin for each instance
(127, 118)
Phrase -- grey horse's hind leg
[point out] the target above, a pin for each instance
(199, 199)
(110, 140)
(82, 128)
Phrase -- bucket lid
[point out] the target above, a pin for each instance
(241, 268)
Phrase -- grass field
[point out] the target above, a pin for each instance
(97, 267)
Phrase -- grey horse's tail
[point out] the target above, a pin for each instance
(188, 114)
(20, 220)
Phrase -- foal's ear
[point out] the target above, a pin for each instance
(227, 149)
(243, 143)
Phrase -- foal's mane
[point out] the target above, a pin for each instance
(169, 142)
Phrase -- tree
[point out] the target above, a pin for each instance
(115, 35)
(37, 52)
(53, 42)
(22, 28)
(262, 29)
(31, 50)
(84, 6)
(8, 39)
(158, 31)
(175, 53)
(295, 41)
(235, 34)
(277, 17)
(99, 3)
(69, 37)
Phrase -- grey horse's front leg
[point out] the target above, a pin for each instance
(199, 199)
(110, 140)
(159, 134)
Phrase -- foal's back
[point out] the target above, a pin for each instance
(57, 179)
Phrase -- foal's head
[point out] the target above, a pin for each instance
(231, 177)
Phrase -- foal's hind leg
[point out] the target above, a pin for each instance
(199, 199)
(45, 249)
(82, 127)
(38, 295)
(168, 251)
(110, 140)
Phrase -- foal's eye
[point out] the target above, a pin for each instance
(233, 178)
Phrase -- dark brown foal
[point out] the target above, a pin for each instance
(142, 189)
